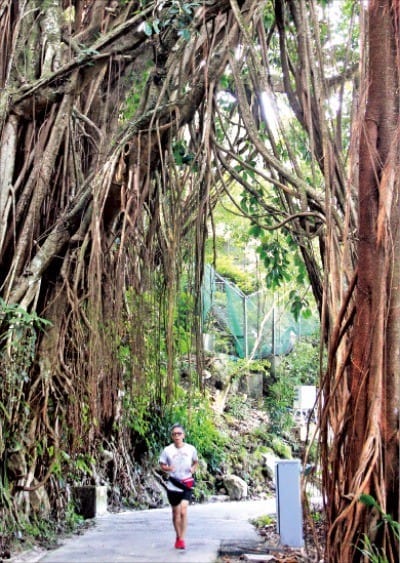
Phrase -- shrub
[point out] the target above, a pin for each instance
(196, 416)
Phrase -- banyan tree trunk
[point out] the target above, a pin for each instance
(363, 396)
(92, 203)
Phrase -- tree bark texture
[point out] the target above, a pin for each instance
(365, 451)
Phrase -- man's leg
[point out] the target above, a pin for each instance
(176, 519)
(183, 518)
(175, 499)
(179, 518)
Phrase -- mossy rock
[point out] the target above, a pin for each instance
(282, 449)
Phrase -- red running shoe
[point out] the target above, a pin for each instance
(180, 544)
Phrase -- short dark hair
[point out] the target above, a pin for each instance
(177, 425)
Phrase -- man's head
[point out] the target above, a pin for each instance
(177, 433)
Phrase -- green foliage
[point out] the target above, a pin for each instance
(136, 93)
(250, 201)
(283, 265)
(276, 261)
(6, 512)
(227, 268)
(281, 448)
(84, 464)
(317, 516)
(15, 320)
(142, 358)
(237, 245)
(281, 258)
(278, 403)
(237, 406)
(372, 552)
(72, 520)
(302, 365)
(18, 338)
(367, 548)
(261, 433)
(264, 520)
(181, 153)
(247, 173)
(143, 361)
(189, 409)
(269, 15)
(178, 14)
(86, 52)
(38, 530)
(196, 416)
(183, 323)
(77, 469)
(299, 305)
(232, 236)
(226, 82)
(271, 442)
(139, 415)
(44, 531)
(18, 329)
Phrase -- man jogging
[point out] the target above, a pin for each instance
(180, 461)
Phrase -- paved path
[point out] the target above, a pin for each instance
(147, 536)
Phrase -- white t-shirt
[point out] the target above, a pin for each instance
(181, 459)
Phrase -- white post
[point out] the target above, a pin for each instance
(288, 499)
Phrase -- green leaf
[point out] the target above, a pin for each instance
(255, 231)
(156, 26)
(369, 501)
(187, 8)
(184, 33)
(225, 82)
(148, 29)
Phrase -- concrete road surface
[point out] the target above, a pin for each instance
(147, 536)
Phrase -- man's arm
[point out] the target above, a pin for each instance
(165, 467)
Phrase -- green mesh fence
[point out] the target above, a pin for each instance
(259, 324)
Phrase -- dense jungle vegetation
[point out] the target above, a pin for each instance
(125, 127)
